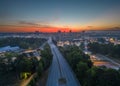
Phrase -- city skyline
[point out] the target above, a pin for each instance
(54, 15)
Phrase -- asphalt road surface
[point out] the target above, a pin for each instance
(60, 73)
(101, 60)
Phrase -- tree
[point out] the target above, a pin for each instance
(35, 63)
(110, 77)
(40, 68)
(81, 71)
(93, 75)
(46, 56)
(23, 64)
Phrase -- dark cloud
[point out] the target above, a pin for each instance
(90, 26)
(34, 24)
(27, 23)
(114, 28)
(11, 26)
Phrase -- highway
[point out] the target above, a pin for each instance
(60, 73)
(108, 59)
(101, 60)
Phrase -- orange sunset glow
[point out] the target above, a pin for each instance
(32, 29)
(50, 29)
(31, 16)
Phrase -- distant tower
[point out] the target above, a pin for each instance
(70, 31)
(59, 31)
(36, 32)
(59, 35)
(83, 35)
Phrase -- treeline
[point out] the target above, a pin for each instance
(78, 61)
(22, 42)
(105, 49)
(43, 64)
(24, 66)
(87, 74)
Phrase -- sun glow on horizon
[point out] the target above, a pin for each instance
(49, 29)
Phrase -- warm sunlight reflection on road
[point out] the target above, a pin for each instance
(100, 61)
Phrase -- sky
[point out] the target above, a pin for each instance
(54, 15)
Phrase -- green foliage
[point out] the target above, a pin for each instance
(22, 42)
(23, 64)
(74, 55)
(6, 62)
(81, 71)
(10, 54)
(109, 78)
(106, 49)
(43, 64)
(93, 76)
(46, 56)
(102, 77)
(3, 67)
(35, 64)
(87, 74)
(40, 68)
